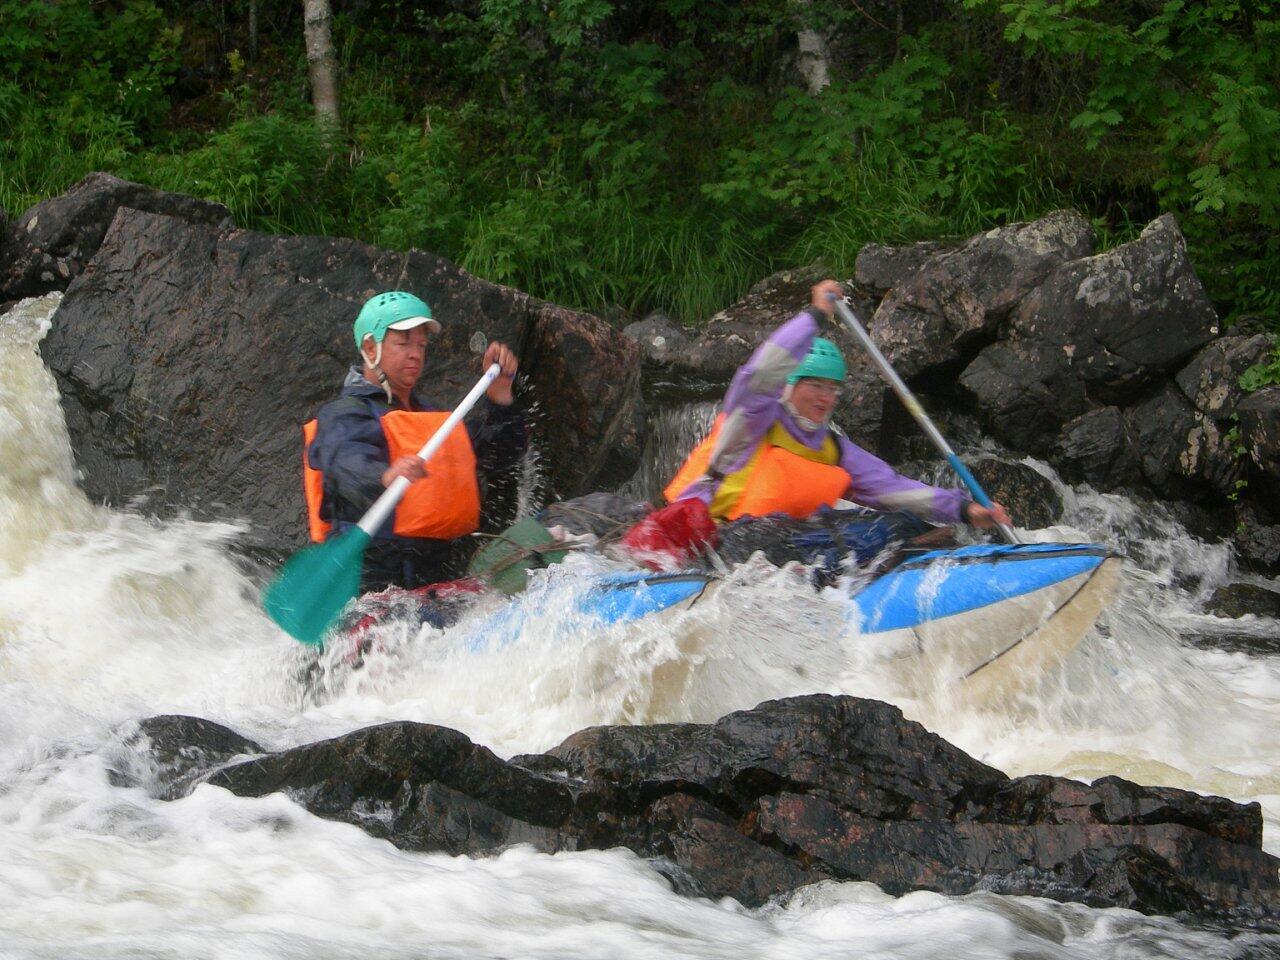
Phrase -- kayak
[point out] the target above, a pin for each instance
(990, 617)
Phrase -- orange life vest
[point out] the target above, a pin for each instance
(779, 482)
(442, 505)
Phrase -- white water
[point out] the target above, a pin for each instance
(107, 617)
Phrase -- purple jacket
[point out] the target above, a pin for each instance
(753, 404)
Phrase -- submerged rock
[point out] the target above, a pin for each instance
(763, 801)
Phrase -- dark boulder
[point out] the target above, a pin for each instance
(1024, 392)
(188, 355)
(49, 245)
(954, 302)
(765, 800)
(1260, 433)
(880, 267)
(1244, 599)
(1256, 537)
(1121, 320)
(1029, 495)
(1163, 429)
(421, 786)
(1098, 331)
(659, 338)
(182, 750)
(1211, 381)
(1096, 447)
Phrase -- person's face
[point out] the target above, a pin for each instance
(403, 354)
(814, 399)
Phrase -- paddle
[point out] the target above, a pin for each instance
(913, 407)
(318, 581)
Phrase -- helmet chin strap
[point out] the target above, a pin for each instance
(804, 423)
(377, 368)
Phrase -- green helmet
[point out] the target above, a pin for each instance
(393, 310)
(823, 362)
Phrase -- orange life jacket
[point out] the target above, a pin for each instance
(779, 482)
(442, 505)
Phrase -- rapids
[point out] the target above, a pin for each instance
(107, 617)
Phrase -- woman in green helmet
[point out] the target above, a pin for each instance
(774, 450)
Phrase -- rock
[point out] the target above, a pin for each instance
(880, 267)
(1244, 599)
(1164, 429)
(182, 750)
(1256, 539)
(187, 356)
(49, 245)
(658, 337)
(420, 786)
(1260, 432)
(954, 302)
(763, 801)
(1123, 318)
(727, 340)
(1211, 381)
(1023, 393)
(1029, 495)
(1095, 447)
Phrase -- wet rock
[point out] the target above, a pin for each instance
(765, 800)
(1256, 539)
(1121, 319)
(658, 337)
(727, 340)
(1260, 432)
(1211, 381)
(1103, 330)
(188, 355)
(1024, 392)
(1244, 599)
(954, 302)
(48, 246)
(182, 750)
(880, 267)
(1095, 447)
(1029, 495)
(1163, 430)
(421, 786)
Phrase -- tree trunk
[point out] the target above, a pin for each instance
(322, 63)
(253, 30)
(814, 59)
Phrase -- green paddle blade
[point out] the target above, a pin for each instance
(315, 585)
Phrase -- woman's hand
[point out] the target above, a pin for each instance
(411, 468)
(821, 294)
(979, 516)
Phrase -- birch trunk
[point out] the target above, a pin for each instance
(322, 63)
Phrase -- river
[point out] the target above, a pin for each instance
(108, 617)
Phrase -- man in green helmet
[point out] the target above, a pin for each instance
(369, 436)
(774, 450)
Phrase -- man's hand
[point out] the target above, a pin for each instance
(980, 516)
(499, 391)
(821, 294)
(411, 468)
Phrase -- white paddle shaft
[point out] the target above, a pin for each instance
(382, 507)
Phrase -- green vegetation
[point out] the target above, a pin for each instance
(623, 156)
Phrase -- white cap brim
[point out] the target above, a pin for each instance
(411, 322)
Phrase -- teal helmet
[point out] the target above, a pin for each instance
(393, 310)
(823, 362)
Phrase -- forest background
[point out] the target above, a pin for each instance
(626, 156)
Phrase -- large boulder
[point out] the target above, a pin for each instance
(954, 302)
(1260, 432)
(187, 355)
(45, 248)
(880, 267)
(1098, 331)
(1096, 447)
(763, 801)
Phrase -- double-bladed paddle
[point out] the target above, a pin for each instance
(318, 581)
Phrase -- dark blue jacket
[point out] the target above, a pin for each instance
(350, 449)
